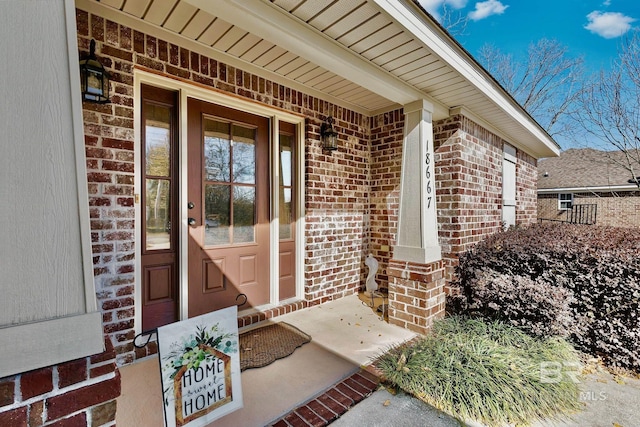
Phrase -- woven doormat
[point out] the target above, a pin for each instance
(263, 346)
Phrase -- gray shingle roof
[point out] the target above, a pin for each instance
(586, 167)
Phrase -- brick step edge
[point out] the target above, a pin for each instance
(330, 405)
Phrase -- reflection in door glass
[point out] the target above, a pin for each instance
(229, 182)
(217, 219)
(157, 140)
(157, 213)
(244, 155)
(217, 151)
(285, 201)
(244, 214)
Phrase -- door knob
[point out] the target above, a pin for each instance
(191, 205)
(191, 221)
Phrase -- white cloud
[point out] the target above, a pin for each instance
(606, 3)
(487, 8)
(456, 4)
(608, 24)
(433, 6)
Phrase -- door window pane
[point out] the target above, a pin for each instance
(244, 155)
(217, 151)
(217, 220)
(157, 219)
(157, 140)
(230, 162)
(285, 212)
(244, 214)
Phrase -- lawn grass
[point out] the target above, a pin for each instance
(487, 372)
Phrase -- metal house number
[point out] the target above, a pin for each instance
(429, 198)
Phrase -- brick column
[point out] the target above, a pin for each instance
(416, 294)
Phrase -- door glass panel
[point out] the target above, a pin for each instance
(157, 140)
(217, 203)
(285, 213)
(217, 151)
(157, 176)
(244, 214)
(157, 219)
(229, 183)
(244, 155)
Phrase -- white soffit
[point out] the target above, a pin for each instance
(292, 33)
(371, 56)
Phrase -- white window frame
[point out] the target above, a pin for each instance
(509, 185)
(563, 201)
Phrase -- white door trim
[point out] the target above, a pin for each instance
(187, 90)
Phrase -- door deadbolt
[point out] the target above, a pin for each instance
(191, 205)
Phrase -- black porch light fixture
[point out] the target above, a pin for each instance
(329, 135)
(94, 79)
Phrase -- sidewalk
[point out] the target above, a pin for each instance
(607, 404)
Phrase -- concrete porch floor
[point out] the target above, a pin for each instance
(346, 334)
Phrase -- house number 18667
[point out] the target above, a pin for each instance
(429, 198)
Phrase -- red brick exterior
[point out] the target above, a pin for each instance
(53, 396)
(469, 186)
(619, 209)
(337, 183)
(526, 194)
(386, 162)
(351, 194)
(352, 197)
(416, 294)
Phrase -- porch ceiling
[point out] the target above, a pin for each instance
(368, 55)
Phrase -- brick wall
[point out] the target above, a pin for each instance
(351, 210)
(337, 182)
(337, 191)
(469, 202)
(469, 186)
(76, 393)
(620, 209)
(526, 189)
(386, 161)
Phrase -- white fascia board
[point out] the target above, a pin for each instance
(607, 188)
(493, 129)
(405, 13)
(272, 23)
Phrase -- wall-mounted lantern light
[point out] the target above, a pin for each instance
(329, 135)
(94, 79)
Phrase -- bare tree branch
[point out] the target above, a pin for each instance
(546, 82)
(454, 21)
(610, 108)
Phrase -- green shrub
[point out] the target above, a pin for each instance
(556, 279)
(489, 372)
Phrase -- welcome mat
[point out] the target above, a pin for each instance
(264, 345)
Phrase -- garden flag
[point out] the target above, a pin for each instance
(200, 368)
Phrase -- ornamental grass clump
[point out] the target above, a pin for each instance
(488, 372)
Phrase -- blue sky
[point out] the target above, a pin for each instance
(593, 29)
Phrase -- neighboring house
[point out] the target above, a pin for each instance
(208, 182)
(598, 183)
